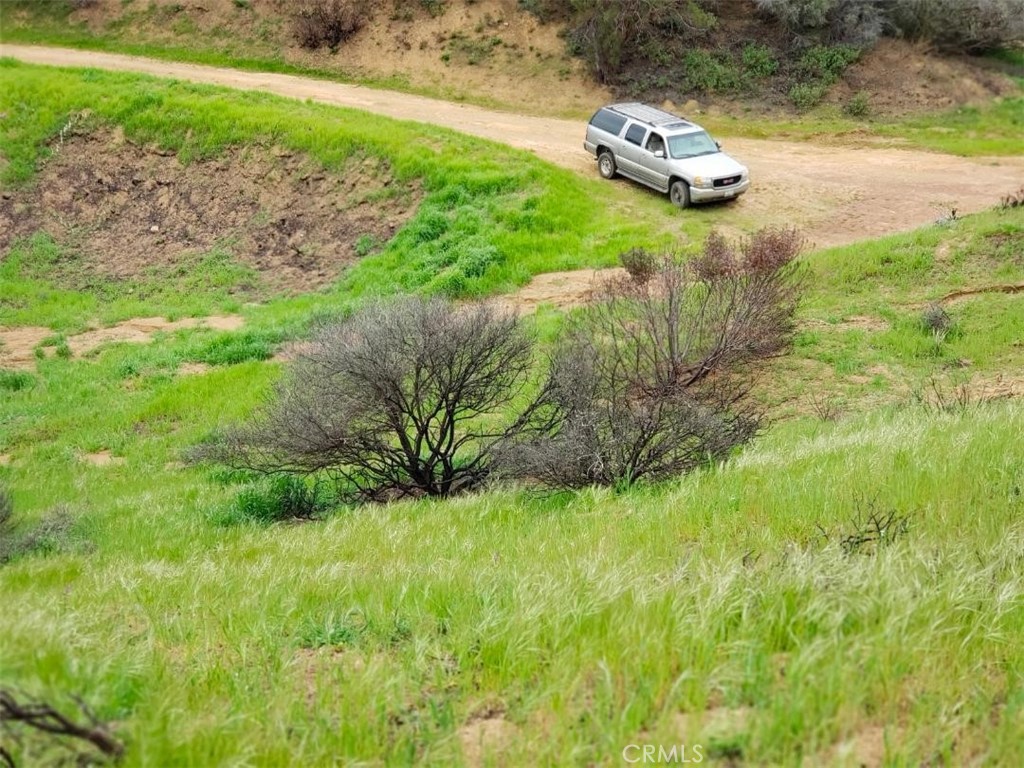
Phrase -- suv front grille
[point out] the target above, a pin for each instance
(727, 182)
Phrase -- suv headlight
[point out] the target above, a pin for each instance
(702, 182)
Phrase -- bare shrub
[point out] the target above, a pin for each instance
(640, 263)
(42, 717)
(654, 379)
(609, 32)
(405, 398)
(319, 23)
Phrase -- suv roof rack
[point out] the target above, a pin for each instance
(645, 113)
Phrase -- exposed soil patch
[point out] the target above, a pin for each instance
(903, 78)
(193, 369)
(127, 211)
(485, 738)
(562, 290)
(5, 459)
(18, 345)
(103, 458)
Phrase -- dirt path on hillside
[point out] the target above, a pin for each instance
(835, 194)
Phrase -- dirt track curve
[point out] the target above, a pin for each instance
(835, 194)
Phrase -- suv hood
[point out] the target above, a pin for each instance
(718, 164)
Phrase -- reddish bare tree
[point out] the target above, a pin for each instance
(654, 379)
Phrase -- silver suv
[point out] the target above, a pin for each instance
(664, 151)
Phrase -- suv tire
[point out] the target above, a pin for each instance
(679, 193)
(606, 164)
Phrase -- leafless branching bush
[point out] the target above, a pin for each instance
(825, 408)
(407, 398)
(940, 398)
(609, 32)
(654, 379)
(39, 716)
(870, 528)
(319, 23)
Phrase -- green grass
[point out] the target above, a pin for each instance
(706, 611)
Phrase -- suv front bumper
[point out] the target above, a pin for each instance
(699, 195)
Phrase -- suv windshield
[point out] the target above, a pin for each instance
(691, 145)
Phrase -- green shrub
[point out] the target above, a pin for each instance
(759, 61)
(709, 72)
(858, 105)
(283, 497)
(16, 381)
(234, 348)
(827, 62)
(807, 95)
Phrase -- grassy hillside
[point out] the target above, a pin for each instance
(732, 609)
(490, 217)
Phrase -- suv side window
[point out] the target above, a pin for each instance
(635, 134)
(608, 121)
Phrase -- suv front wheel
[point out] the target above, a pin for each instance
(606, 164)
(679, 193)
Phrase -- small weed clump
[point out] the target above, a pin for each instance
(52, 534)
(1012, 200)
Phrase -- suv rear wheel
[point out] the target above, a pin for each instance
(679, 193)
(606, 164)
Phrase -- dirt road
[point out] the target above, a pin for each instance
(835, 194)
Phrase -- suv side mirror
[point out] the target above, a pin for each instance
(718, 144)
(659, 153)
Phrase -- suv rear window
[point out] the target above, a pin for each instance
(636, 134)
(608, 121)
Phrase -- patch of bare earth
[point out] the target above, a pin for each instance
(18, 345)
(904, 78)
(562, 290)
(193, 369)
(104, 458)
(125, 211)
(866, 748)
(485, 738)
